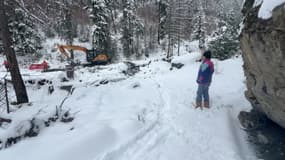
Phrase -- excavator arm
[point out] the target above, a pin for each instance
(91, 55)
(63, 48)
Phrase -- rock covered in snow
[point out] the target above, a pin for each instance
(262, 43)
(266, 7)
(252, 120)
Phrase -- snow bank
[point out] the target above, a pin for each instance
(267, 6)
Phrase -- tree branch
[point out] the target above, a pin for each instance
(22, 5)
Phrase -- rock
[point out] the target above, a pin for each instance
(177, 65)
(262, 138)
(42, 82)
(136, 85)
(168, 60)
(31, 81)
(132, 69)
(147, 64)
(50, 89)
(36, 126)
(4, 120)
(66, 117)
(252, 120)
(104, 81)
(68, 88)
(263, 50)
(64, 79)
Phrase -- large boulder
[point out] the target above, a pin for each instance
(263, 46)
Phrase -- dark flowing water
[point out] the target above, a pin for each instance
(268, 141)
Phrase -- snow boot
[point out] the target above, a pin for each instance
(198, 104)
(206, 104)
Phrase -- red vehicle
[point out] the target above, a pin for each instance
(6, 64)
(41, 66)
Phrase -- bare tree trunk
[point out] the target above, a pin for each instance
(170, 36)
(113, 21)
(17, 80)
(202, 21)
(179, 27)
(68, 17)
(170, 46)
(159, 19)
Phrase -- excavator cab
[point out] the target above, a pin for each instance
(97, 58)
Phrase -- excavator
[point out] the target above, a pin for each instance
(92, 56)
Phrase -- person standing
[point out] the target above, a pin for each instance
(204, 80)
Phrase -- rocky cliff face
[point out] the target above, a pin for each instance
(263, 46)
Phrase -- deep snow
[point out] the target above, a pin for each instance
(149, 116)
(267, 6)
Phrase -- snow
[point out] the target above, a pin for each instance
(146, 116)
(267, 7)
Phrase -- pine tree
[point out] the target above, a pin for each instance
(180, 21)
(99, 14)
(162, 20)
(1, 45)
(176, 21)
(226, 43)
(64, 26)
(170, 30)
(26, 37)
(199, 21)
(188, 28)
(131, 28)
(113, 7)
(67, 27)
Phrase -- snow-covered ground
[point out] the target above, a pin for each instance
(148, 116)
(267, 7)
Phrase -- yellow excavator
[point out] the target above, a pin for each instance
(92, 56)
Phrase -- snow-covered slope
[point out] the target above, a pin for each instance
(148, 116)
(267, 6)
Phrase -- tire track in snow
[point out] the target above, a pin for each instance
(129, 147)
(156, 135)
(148, 138)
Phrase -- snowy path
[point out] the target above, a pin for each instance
(148, 139)
(180, 127)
